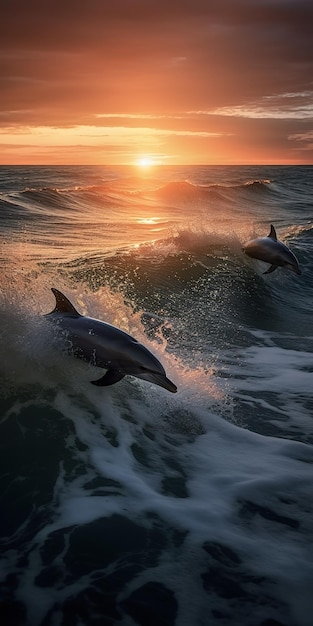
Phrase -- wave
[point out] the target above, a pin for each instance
(120, 500)
(204, 282)
(120, 190)
(257, 184)
(186, 191)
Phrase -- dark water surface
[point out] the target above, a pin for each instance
(126, 504)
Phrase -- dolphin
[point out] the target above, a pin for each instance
(106, 346)
(273, 251)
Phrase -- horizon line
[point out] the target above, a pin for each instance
(154, 165)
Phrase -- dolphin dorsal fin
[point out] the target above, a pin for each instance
(272, 234)
(62, 304)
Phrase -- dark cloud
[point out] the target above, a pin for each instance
(97, 24)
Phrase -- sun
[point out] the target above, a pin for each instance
(145, 162)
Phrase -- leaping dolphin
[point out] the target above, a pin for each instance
(272, 251)
(104, 345)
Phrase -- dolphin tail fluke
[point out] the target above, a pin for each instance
(110, 378)
(271, 269)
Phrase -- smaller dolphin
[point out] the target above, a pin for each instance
(104, 345)
(272, 251)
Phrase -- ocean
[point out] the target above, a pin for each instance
(128, 505)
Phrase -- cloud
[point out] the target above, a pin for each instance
(139, 116)
(284, 106)
(197, 67)
(93, 135)
(305, 139)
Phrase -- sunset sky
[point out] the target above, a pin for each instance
(175, 81)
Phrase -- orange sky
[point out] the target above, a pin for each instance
(182, 81)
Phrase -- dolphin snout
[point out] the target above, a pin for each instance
(294, 268)
(158, 379)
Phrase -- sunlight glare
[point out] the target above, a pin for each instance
(145, 162)
(148, 220)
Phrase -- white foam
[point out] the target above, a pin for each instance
(176, 462)
(228, 473)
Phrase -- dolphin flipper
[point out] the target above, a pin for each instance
(110, 378)
(271, 269)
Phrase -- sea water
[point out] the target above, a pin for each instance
(127, 504)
